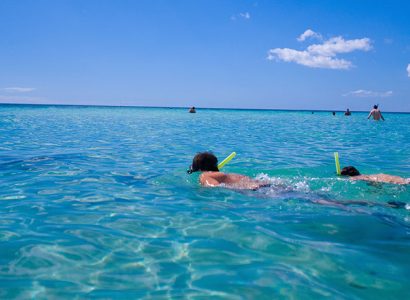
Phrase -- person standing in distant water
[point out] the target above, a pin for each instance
(348, 113)
(192, 110)
(334, 113)
(376, 113)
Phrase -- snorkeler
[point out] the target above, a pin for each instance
(207, 163)
(354, 174)
(192, 110)
(375, 113)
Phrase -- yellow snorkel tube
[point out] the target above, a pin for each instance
(226, 160)
(336, 154)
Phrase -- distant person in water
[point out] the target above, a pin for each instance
(348, 113)
(207, 163)
(192, 110)
(334, 113)
(354, 174)
(375, 113)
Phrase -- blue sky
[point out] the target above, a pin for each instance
(236, 54)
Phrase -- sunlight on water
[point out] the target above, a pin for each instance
(95, 202)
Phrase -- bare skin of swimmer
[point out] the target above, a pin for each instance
(233, 181)
(376, 114)
(241, 182)
(207, 164)
(382, 178)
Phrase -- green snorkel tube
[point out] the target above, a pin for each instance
(336, 154)
(226, 160)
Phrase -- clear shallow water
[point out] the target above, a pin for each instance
(95, 202)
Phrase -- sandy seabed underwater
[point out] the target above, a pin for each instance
(95, 202)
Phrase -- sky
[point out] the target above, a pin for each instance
(319, 55)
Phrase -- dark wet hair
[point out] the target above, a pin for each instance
(204, 161)
(350, 171)
(375, 106)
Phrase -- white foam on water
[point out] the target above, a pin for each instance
(280, 185)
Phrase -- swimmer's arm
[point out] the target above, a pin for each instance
(381, 116)
(370, 114)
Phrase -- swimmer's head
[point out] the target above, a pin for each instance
(204, 161)
(350, 171)
(375, 106)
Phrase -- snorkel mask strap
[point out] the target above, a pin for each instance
(192, 169)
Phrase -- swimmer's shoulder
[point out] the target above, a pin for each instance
(360, 177)
(371, 177)
(211, 178)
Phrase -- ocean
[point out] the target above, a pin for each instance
(96, 202)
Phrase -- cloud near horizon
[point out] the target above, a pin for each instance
(408, 70)
(322, 55)
(367, 93)
(18, 89)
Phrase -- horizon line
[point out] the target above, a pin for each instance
(196, 107)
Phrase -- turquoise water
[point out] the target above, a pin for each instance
(95, 202)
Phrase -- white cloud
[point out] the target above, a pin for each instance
(309, 34)
(244, 15)
(322, 55)
(308, 59)
(408, 70)
(18, 89)
(337, 45)
(366, 93)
